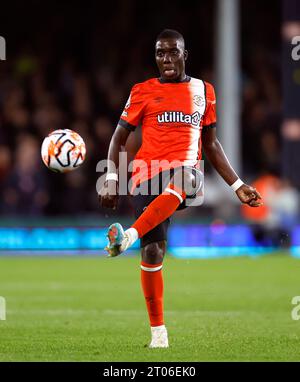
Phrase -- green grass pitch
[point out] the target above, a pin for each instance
(92, 309)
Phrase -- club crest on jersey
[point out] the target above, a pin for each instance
(179, 117)
(198, 100)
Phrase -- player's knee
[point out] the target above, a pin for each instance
(185, 180)
(189, 184)
(153, 253)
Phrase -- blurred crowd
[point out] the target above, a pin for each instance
(30, 109)
(39, 94)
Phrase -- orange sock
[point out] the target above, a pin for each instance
(159, 209)
(153, 288)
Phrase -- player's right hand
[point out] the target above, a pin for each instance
(108, 195)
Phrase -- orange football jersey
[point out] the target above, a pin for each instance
(172, 116)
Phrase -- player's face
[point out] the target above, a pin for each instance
(170, 58)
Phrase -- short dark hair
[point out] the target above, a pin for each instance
(170, 33)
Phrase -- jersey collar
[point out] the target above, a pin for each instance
(186, 79)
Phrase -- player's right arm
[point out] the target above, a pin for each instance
(108, 195)
(130, 118)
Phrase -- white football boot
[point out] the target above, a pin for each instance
(159, 337)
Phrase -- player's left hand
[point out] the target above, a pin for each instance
(249, 195)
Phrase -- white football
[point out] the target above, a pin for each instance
(63, 150)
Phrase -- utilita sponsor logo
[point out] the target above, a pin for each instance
(180, 117)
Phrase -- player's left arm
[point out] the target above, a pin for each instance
(216, 155)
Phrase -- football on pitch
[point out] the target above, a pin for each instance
(63, 150)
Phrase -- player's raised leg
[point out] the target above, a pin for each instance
(162, 207)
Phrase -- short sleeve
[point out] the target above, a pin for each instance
(133, 110)
(210, 116)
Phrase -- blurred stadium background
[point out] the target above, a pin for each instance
(72, 64)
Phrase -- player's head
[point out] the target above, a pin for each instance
(170, 55)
